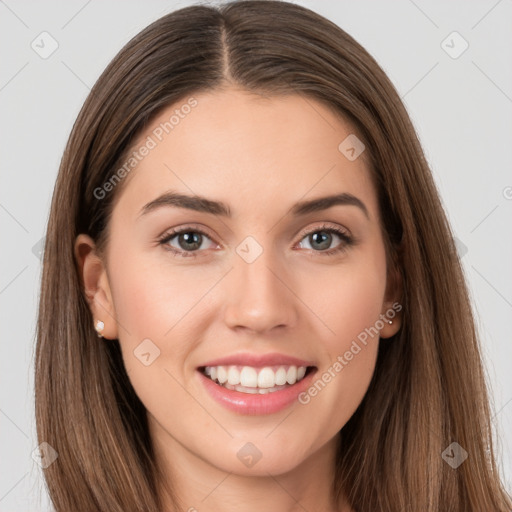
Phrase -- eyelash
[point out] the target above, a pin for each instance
(347, 240)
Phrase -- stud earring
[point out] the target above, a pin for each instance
(390, 322)
(99, 328)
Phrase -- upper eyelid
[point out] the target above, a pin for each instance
(171, 233)
(327, 226)
(324, 226)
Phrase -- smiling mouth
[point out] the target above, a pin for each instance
(253, 380)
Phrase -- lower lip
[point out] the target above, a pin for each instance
(247, 403)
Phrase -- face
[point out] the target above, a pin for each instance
(268, 281)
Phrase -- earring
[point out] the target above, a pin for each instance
(99, 327)
(390, 322)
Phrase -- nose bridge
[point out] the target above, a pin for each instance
(258, 297)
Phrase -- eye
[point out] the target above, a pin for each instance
(189, 240)
(321, 238)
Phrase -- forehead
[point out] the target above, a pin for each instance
(248, 151)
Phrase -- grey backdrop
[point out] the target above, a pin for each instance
(456, 86)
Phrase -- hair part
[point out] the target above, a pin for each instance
(428, 388)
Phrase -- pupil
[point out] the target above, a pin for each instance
(189, 239)
(326, 237)
(321, 237)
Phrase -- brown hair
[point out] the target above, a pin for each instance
(429, 387)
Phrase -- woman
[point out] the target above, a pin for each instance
(255, 369)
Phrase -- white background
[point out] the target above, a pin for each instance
(461, 108)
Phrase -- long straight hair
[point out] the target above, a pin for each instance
(429, 387)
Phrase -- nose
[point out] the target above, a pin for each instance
(260, 295)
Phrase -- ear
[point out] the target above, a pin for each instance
(94, 280)
(392, 306)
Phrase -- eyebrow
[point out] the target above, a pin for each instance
(202, 204)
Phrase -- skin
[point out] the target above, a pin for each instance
(246, 151)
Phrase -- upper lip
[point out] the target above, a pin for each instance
(257, 360)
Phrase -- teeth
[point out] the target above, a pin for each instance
(254, 391)
(249, 377)
(266, 378)
(291, 375)
(222, 374)
(255, 380)
(233, 376)
(281, 376)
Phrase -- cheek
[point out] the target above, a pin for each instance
(149, 299)
(151, 307)
(349, 304)
(157, 300)
(147, 307)
(348, 298)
